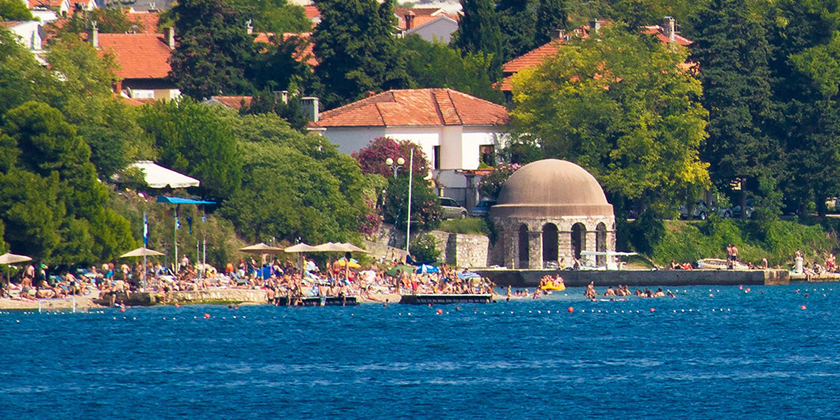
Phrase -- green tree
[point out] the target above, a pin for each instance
(197, 140)
(282, 65)
(14, 10)
(294, 186)
(551, 16)
(356, 50)
(434, 65)
(111, 20)
(425, 206)
(23, 79)
(517, 24)
(479, 32)
(275, 16)
(732, 51)
(213, 50)
(107, 124)
(623, 107)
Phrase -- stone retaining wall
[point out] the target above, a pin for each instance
(640, 278)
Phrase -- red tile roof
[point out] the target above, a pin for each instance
(10, 24)
(147, 22)
(660, 35)
(422, 15)
(312, 12)
(140, 56)
(235, 102)
(416, 107)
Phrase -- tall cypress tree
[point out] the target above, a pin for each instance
(517, 24)
(356, 49)
(732, 51)
(479, 31)
(551, 15)
(213, 49)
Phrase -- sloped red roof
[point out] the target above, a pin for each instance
(235, 102)
(422, 15)
(416, 107)
(311, 11)
(10, 23)
(532, 58)
(140, 56)
(147, 22)
(659, 32)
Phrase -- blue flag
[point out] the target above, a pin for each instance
(145, 230)
(177, 223)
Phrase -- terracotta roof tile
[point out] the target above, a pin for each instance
(147, 22)
(660, 35)
(306, 53)
(9, 24)
(422, 15)
(235, 102)
(140, 56)
(532, 58)
(311, 11)
(416, 107)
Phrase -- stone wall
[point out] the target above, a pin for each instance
(640, 278)
(462, 250)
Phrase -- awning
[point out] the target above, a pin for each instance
(157, 176)
(179, 200)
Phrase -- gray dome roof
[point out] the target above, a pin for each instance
(551, 188)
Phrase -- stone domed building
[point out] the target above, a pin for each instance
(548, 212)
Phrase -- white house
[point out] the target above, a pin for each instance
(427, 22)
(30, 34)
(456, 131)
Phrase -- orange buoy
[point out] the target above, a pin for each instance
(803, 307)
(652, 310)
(440, 311)
(206, 316)
(122, 309)
(571, 309)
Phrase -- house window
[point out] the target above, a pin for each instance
(488, 154)
(436, 157)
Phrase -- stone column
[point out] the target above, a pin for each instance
(591, 242)
(535, 250)
(564, 247)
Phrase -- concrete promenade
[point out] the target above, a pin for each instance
(639, 278)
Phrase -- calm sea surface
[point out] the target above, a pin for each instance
(735, 355)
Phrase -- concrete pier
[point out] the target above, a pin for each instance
(638, 278)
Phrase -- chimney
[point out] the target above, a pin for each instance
(250, 27)
(669, 27)
(309, 104)
(558, 34)
(409, 20)
(94, 35)
(594, 26)
(170, 37)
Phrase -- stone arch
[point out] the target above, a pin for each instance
(524, 246)
(578, 239)
(549, 243)
(601, 244)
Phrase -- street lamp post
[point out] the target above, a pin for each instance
(395, 167)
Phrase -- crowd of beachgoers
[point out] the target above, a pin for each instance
(284, 282)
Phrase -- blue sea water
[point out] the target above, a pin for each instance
(733, 355)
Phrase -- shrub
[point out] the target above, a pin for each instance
(466, 226)
(424, 248)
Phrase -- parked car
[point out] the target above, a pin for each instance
(482, 208)
(736, 211)
(700, 211)
(451, 209)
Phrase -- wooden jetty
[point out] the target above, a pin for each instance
(318, 301)
(437, 298)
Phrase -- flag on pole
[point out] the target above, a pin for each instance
(145, 230)
(177, 223)
(189, 222)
